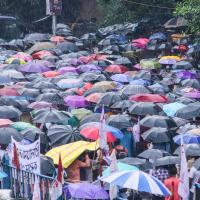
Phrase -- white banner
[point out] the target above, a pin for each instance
(29, 156)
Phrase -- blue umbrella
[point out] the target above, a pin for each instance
(171, 108)
(158, 36)
(138, 181)
(121, 167)
(122, 78)
(187, 139)
(140, 82)
(3, 175)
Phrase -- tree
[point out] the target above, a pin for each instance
(118, 11)
(190, 10)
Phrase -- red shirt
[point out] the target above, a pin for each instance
(172, 184)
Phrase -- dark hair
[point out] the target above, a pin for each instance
(172, 171)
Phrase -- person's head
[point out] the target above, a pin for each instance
(172, 171)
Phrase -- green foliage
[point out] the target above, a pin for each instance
(190, 10)
(117, 11)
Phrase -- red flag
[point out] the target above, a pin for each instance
(15, 160)
(60, 169)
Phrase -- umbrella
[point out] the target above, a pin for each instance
(190, 150)
(80, 113)
(133, 161)
(60, 135)
(5, 122)
(91, 76)
(144, 108)
(40, 46)
(172, 108)
(24, 56)
(186, 75)
(9, 91)
(158, 121)
(153, 154)
(155, 98)
(51, 98)
(87, 191)
(176, 22)
(122, 61)
(69, 83)
(167, 61)
(109, 98)
(105, 85)
(36, 66)
(193, 95)
(188, 112)
(191, 83)
(17, 61)
(94, 117)
(49, 116)
(158, 36)
(67, 47)
(40, 105)
(94, 98)
(9, 112)
(47, 166)
(20, 126)
(187, 139)
(167, 160)
(122, 78)
(67, 69)
(156, 135)
(121, 167)
(37, 37)
(140, 43)
(32, 134)
(182, 65)
(134, 89)
(13, 74)
(88, 68)
(123, 105)
(7, 132)
(75, 101)
(5, 80)
(139, 181)
(149, 64)
(120, 121)
(117, 69)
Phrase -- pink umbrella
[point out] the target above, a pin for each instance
(140, 43)
(66, 69)
(193, 95)
(40, 105)
(24, 56)
(75, 101)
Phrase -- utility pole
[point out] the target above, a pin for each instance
(54, 23)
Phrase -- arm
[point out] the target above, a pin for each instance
(84, 164)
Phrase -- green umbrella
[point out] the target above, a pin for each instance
(150, 64)
(20, 126)
(80, 113)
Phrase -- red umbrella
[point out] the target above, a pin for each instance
(93, 134)
(8, 91)
(50, 74)
(155, 98)
(140, 42)
(118, 69)
(41, 54)
(87, 59)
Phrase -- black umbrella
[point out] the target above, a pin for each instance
(122, 61)
(32, 134)
(158, 121)
(190, 150)
(94, 90)
(37, 37)
(51, 98)
(29, 93)
(153, 154)
(133, 161)
(91, 76)
(5, 80)
(47, 167)
(123, 105)
(135, 89)
(9, 112)
(49, 116)
(188, 112)
(44, 85)
(94, 117)
(167, 160)
(120, 121)
(182, 65)
(191, 83)
(156, 135)
(67, 47)
(109, 98)
(185, 100)
(7, 132)
(144, 108)
(143, 75)
(60, 135)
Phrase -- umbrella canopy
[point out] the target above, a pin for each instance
(139, 181)
(51, 98)
(123, 105)
(122, 78)
(9, 112)
(155, 98)
(133, 161)
(184, 65)
(94, 117)
(105, 85)
(5, 122)
(175, 22)
(153, 154)
(172, 108)
(46, 166)
(117, 69)
(109, 98)
(144, 108)
(193, 95)
(120, 121)
(75, 101)
(7, 132)
(80, 113)
(94, 98)
(40, 105)
(194, 83)
(20, 126)
(49, 116)
(156, 135)
(167, 160)
(150, 64)
(187, 139)
(190, 150)
(87, 191)
(69, 83)
(135, 89)
(158, 121)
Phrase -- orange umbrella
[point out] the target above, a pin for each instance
(50, 74)
(94, 98)
(41, 54)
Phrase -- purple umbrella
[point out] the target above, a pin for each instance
(36, 66)
(75, 101)
(87, 191)
(64, 70)
(74, 62)
(122, 78)
(186, 75)
(193, 95)
(40, 105)
(89, 68)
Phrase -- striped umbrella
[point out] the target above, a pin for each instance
(139, 181)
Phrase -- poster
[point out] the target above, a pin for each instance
(53, 7)
(29, 156)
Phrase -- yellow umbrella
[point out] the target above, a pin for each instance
(18, 61)
(70, 152)
(177, 58)
(107, 85)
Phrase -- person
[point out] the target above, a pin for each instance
(172, 184)
(73, 171)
